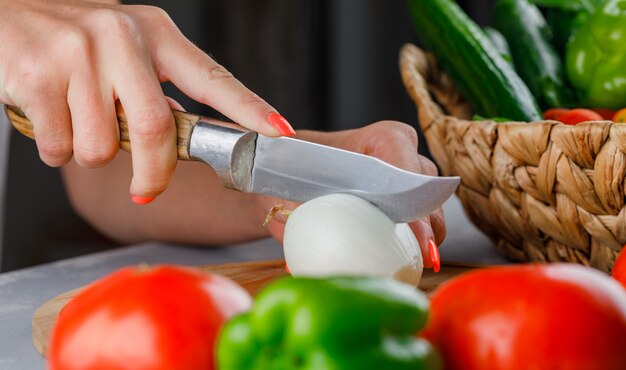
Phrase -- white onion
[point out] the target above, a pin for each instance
(341, 234)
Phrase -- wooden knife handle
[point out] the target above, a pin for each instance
(184, 124)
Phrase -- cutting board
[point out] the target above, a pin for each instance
(251, 275)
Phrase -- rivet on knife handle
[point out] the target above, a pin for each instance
(184, 123)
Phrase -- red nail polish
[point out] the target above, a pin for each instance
(281, 124)
(287, 269)
(434, 255)
(141, 200)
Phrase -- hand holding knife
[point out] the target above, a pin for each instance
(292, 169)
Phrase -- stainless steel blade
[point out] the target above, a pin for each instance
(298, 170)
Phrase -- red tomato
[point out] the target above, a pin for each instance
(576, 116)
(163, 317)
(606, 114)
(619, 268)
(554, 113)
(559, 316)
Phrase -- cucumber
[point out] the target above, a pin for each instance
(534, 57)
(500, 43)
(485, 79)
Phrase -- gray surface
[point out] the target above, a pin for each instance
(22, 291)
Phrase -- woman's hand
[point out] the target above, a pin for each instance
(197, 209)
(65, 63)
(395, 143)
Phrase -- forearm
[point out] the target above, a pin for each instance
(195, 209)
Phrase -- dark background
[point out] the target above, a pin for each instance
(324, 64)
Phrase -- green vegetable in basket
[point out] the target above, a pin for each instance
(564, 24)
(483, 76)
(565, 17)
(499, 41)
(535, 59)
(477, 117)
(596, 57)
(341, 323)
(571, 5)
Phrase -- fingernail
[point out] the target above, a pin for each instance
(434, 255)
(141, 200)
(287, 269)
(281, 124)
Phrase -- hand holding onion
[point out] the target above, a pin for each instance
(395, 143)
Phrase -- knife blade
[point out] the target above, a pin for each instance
(293, 169)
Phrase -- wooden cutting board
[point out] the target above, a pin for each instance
(251, 275)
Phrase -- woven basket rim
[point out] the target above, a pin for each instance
(411, 59)
(542, 191)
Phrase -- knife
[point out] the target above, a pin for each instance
(292, 169)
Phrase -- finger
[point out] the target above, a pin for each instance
(276, 225)
(151, 130)
(277, 230)
(94, 122)
(438, 224)
(423, 228)
(175, 104)
(4, 96)
(41, 93)
(437, 220)
(50, 117)
(428, 167)
(208, 82)
(425, 238)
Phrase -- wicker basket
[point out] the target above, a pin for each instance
(541, 191)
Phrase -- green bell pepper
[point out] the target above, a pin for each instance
(341, 323)
(596, 57)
